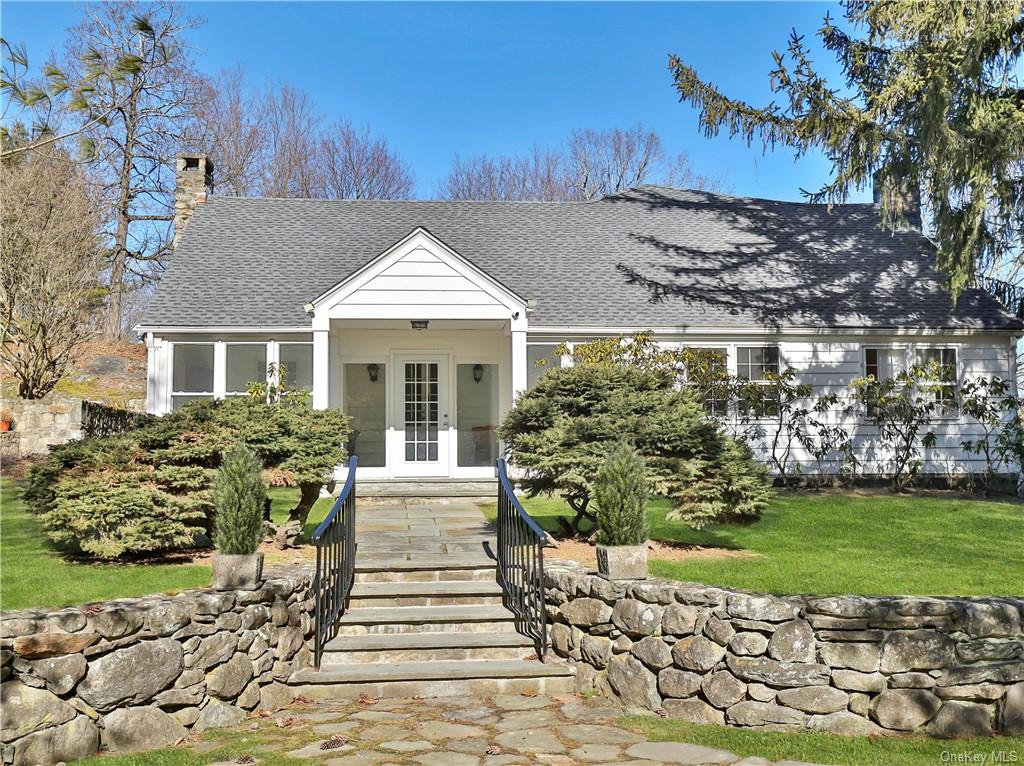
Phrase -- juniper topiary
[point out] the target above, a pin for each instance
(620, 494)
(239, 496)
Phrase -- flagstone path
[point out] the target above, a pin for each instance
(560, 730)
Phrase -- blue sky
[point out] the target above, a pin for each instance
(436, 79)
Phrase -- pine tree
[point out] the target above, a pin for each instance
(932, 104)
(239, 496)
(620, 494)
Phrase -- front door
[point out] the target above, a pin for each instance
(422, 415)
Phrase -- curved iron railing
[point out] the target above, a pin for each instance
(521, 565)
(335, 541)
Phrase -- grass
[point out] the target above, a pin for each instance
(831, 543)
(35, 574)
(825, 748)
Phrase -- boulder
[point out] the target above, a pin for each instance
(750, 713)
(768, 608)
(637, 619)
(131, 675)
(1011, 719)
(633, 683)
(71, 741)
(219, 715)
(697, 653)
(187, 696)
(597, 650)
(67, 621)
(582, 612)
(250, 696)
(168, 617)
(916, 650)
(992, 619)
(117, 621)
(761, 693)
(39, 645)
(213, 650)
(855, 681)
(748, 644)
(814, 699)
(720, 631)
(60, 673)
(862, 657)
(962, 719)
(775, 673)
(904, 709)
(652, 652)
(140, 728)
(560, 633)
(24, 709)
(679, 619)
(275, 696)
(289, 641)
(693, 710)
(673, 682)
(722, 689)
(846, 723)
(792, 641)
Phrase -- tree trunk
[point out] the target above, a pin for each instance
(112, 328)
(288, 534)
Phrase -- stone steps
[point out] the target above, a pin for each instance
(431, 593)
(426, 647)
(432, 568)
(425, 619)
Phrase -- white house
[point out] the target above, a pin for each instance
(422, 320)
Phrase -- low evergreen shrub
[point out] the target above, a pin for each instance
(620, 494)
(149, 489)
(239, 497)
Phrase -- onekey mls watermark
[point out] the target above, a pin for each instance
(981, 757)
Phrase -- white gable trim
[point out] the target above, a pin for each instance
(506, 303)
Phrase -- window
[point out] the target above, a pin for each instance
(754, 364)
(540, 359)
(192, 376)
(365, 403)
(246, 363)
(476, 412)
(943, 361)
(883, 363)
(297, 360)
(707, 372)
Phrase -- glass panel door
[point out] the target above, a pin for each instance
(421, 413)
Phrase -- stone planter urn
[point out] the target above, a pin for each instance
(622, 562)
(237, 571)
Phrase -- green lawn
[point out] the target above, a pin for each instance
(824, 748)
(830, 543)
(33, 573)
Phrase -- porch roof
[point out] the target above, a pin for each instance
(649, 257)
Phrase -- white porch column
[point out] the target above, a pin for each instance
(518, 363)
(321, 369)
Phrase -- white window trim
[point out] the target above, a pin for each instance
(909, 359)
(171, 393)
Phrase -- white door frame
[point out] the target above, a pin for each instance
(400, 467)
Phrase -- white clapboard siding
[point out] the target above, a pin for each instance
(420, 278)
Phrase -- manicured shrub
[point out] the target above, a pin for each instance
(561, 430)
(239, 496)
(620, 494)
(149, 489)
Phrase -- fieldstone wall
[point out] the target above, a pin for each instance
(845, 665)
(138, 674)
(54, 419)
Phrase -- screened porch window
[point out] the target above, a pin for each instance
(297, 360)
(365, 403)
(539, 359)
(192, 377)
(246, 364)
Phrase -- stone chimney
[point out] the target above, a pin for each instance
(905, 201)
(194, 180)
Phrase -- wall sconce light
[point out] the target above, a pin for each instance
(478, 373)
(419, 324)
(373, 370)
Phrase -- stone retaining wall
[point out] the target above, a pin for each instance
(54, 419)
(139, 673)
(846, 664)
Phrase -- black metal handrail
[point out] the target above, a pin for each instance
(335, 541)
(521, 565)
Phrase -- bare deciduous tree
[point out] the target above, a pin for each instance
(592, 164)
(230, 126)
(356, 165)
(293, 129)
(50, 262)
(134, 123)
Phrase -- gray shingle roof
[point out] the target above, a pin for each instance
(649, 257)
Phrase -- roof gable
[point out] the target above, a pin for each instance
(418, 277)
